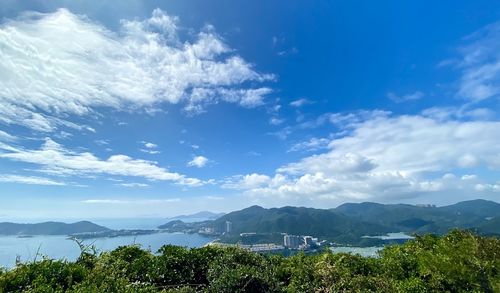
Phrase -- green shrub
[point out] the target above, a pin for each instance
(457, 262)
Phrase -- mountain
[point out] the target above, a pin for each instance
(478, 207)
(490, 227)
(421, 219)
(349, 222)
(300, 221)
(50, 228)
(197, 217)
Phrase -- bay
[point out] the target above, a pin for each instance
(363, 251)
(59, 247)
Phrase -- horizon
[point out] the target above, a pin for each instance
(168, 218)
(148, 110)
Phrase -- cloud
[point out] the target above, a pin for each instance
(384, 157)
(133, 184)
(211, 197)
(479, 64)
(61, 64)
(4, 136)
(151, 152)
(276, 121)
(150, 148)
(149, 145)
(198, 161)
(313, 144)
(102, 142)
(405, 98)
(300, 102)
(57, 160)
(130, 202)
(28, 180)
(249, 181)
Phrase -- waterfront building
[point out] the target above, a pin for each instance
(292, 241)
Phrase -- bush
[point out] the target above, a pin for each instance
(457, 262)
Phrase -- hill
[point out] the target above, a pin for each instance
(300, 221)
(420, 219)
(197, 217)
(347, 223)
(50, 228)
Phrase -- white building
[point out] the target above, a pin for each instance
(308, 240)
(229, 227)
(292, 241)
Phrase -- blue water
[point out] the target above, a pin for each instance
(363, 251)
(58, 247)
(392, 236)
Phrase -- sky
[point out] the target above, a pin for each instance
(157, 108)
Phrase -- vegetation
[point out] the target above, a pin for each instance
(457, 262)
(50, 228)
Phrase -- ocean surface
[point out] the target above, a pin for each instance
(58, 247)
(373, 250)
(363, 251)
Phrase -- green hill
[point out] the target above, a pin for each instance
(410, 218)
(49, 228)
(301, 221)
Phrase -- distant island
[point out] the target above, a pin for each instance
(198, 217)
(50, 228)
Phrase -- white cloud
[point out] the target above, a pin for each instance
(198, 161)
(130, 202)
(150, 145)
(150, 148)
(405, 98)
(300, 102)
(387, 157)
(151, 152)
(133, 184)
(276, 121)
(479, 64)
(85, 66)
(28, 180)
(6, 137)
(211, 197)
(313, 144)
(102, 141)
(57, 160)
(488, 187)
(249, 181)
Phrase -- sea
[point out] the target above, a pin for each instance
(27, 249)
(372, 251)
(33, 248)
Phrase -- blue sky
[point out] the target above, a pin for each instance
(158, 108)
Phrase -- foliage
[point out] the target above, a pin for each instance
(457, 262)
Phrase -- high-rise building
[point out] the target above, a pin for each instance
(291, 241)
(308, 240)
(229, 227)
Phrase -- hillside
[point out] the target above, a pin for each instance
(348, 222)
(301, 221)
(490, 227)
(49, 228)
(197, 217)
(409, 218)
